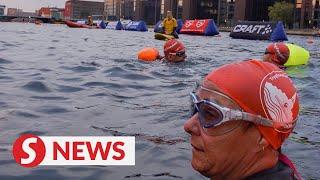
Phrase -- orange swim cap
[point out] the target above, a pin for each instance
(173, 46)
(263, 89)
(279, 53)
(148, 54)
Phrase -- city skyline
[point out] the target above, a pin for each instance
(32, 5)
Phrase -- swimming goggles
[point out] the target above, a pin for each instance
(210, 115)
(179, 54)
(267, 52)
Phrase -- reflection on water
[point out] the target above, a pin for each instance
(61, 81)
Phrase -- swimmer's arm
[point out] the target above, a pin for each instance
(175, 23)
(160, 57)
(174, 30)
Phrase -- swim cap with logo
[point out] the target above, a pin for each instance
(279, 53)
(263, 89)
(173, 46)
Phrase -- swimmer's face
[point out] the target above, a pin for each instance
(176, 57)
(267, 58)
(219, 153)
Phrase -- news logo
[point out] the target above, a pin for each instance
(31, 150)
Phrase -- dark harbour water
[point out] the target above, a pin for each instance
(60, 81)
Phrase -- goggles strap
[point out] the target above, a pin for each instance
(258, 119)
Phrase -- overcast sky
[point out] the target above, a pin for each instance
(32, 5)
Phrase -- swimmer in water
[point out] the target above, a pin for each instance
(90, 21)
(240, 120)
(277, 53)
(174, 51)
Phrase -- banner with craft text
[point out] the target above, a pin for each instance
(259, 31)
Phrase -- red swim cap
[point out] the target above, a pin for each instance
(260, 88)
(279, 53)
(173, 46)
(148, 54)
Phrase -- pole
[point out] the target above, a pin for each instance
(177, 9)
(155, 12)
(124, 8)
(294, 14)
(113, 14)
(218, 18)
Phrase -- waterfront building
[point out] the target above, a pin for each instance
(2, 8)
(176, 6)
(20, 13)
(14, 12)
(45, 12)
(253, 10)
(305, 13)
(224, 12)
(221, 11)
(147, 10)
(316, 15)
(27, 14)
(51, 12)
(77, 9)
(116, 9)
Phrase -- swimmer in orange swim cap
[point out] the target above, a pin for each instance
(174, 51)
(241, 115)
(277, 53)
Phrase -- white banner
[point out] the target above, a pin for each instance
(74, 150)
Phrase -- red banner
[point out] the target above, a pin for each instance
(195, 26)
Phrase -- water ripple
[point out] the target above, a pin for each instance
(4, 61)
(37, 86)
(52, 109)
(89, 82)
(81, 69)
(6, 77)
(68, 89)
(95, 84)
(57, 98)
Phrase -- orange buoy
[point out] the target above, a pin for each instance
(148, 54)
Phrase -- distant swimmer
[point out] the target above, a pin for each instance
(310, 40)
(90, 21)
(277, 53)
(174, 51)
(37, 22)
(170, 25)
(284, 55)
